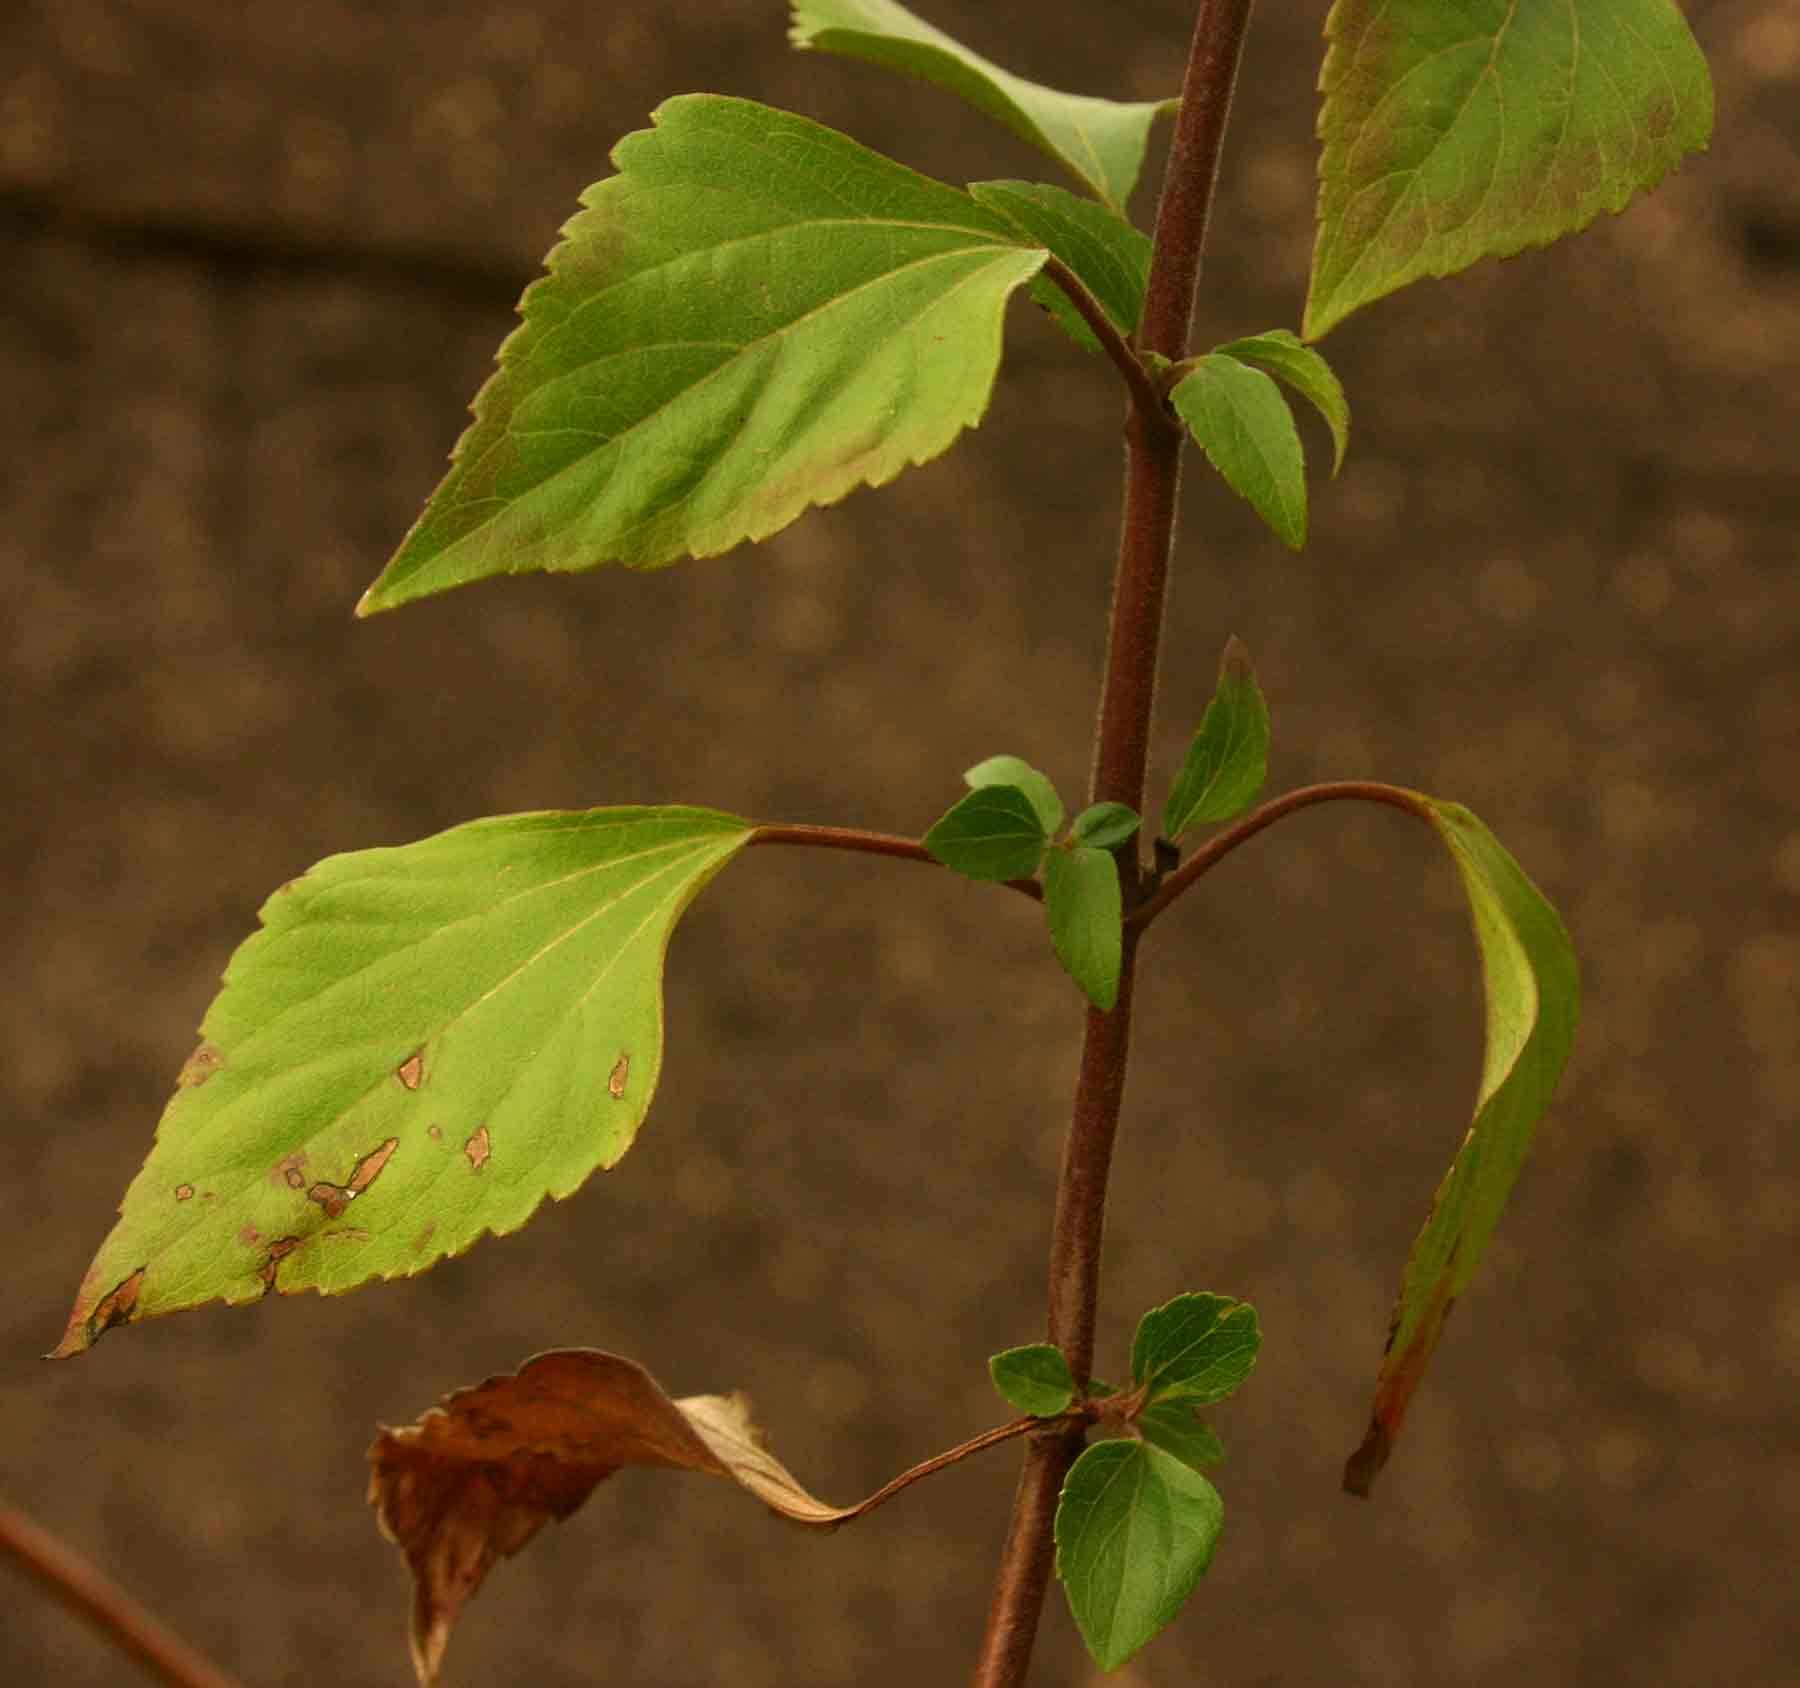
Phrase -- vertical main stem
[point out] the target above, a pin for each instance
(1121, 756)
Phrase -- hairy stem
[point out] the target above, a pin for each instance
(1145, 394)
(83, 1589)
(1121, 754)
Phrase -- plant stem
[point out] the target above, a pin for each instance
(871, 844)
(1121, 755)
(82, 1588)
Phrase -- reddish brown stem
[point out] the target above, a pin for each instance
(939, 1462)
(1121, 754)
(84, 1590)
(870, 844)
(1145, 394)
(1217, 848)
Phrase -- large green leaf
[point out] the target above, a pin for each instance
(1458, 132)
(1532, 991)
(420, 1045)
(1135, 1530)
(1100, 142)
(754, 316)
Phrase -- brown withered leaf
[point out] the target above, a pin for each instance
(477, 1477)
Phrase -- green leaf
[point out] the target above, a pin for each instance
(1172, 1426)
(1135, 1531)
(1108, 255)
(1229, 759)
(1243, 424)
(1532, 990)
(419, 1046)
(1100, 142)
(755, 315)
(1196, 1348)
(1284, 356)
(1034, 1379)
(1105, 826)
(1455, 133)
(1015, 770)
(993, 833)
(1086, 913)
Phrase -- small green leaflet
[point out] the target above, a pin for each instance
(1172, 1426)
(1532, 989)
(1240, 420)
(754, 316)
(1086, 912)
(1196, 1348)
(420, 1045)
(1135, 1531)
(1100, 142)
(1228, 761)
(1105, 826)
(1034, 1379)
(1455, 133)
(993, 833)
(1015, 770)
(1108, 255)
(1283, 355)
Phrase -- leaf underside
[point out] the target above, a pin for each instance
(1242, 423)
(1453, 133)
(1100, 142)
(755, 315)
(420, 1045)
(1228, 760)
(476, 1478)
(1532, 994)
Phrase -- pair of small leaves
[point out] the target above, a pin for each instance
(474, 1479)
(1238, 417)
(1005, 829)
(1137, 1522)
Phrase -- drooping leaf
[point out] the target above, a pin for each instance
(1015, 770)
(994, 833)
(1035, 1379)
(1288, 358)
(1228, 761)
(419, 1046)
(1172, 1426)
(1135, 1531)
(1532, 989)
(1453, 133)
(1240, 420)
(1105, 826)
(1100, 142)
(1109, 256)
(754, 316)
(474, 1479)
(1196, 1348)
(1086, 912)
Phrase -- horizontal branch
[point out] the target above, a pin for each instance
(938, 1462)
(81, 1587)
(871, 844)
(1217, 848)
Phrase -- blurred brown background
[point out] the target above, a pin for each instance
(253, 263)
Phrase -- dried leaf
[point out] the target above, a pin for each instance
(477, 1477)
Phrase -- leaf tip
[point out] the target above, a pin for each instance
(1362, 1467)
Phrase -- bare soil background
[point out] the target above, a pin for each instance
(253, 263)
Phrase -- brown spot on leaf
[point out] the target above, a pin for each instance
(279, 1250)
(290, 1170)
(199, 1067)
(184, 1192)
(424, 1237)
(435, 1133)
(250, 1236)
(334, 1198)
(1401, 1371)
(615, 1084)
(478, 1148)
(411, 1071)
(116, 1306)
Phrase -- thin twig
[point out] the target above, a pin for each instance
(85, 1590)
(871, 844)
(1145, 394)
(1217, 848)
(938, 1462)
